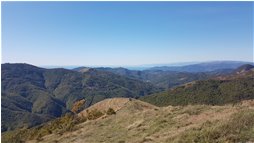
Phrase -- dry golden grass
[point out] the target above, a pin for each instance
(139, 122)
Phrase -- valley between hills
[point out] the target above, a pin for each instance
(208, 102)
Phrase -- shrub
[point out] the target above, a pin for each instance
(78, 105)
(94, 114)
(111, 111)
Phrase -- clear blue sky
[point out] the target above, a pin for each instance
(126, 33)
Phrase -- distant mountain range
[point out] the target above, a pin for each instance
(167, 77)
(203, 67)
(171, 66)
(163, 79)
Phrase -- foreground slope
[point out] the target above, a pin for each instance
(138, 122)
(32, 95)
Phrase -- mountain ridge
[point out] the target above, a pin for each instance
(203, 67)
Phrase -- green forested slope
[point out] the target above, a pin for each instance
(212, 92)
(34, 95)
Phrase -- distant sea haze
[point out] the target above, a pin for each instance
(147, 66)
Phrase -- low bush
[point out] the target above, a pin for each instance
(110, 111)
(94, 114)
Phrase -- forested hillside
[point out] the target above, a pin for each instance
(32, 95)
(232, 88)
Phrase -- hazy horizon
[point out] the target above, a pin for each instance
(138, 67)
(126, 33)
